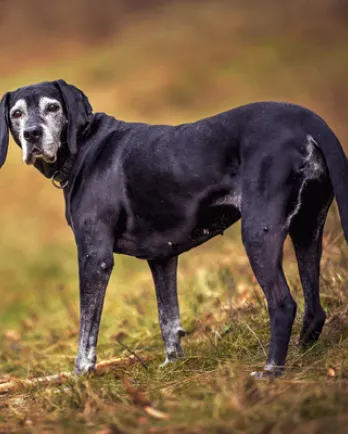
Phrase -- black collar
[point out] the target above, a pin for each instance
(60, 178)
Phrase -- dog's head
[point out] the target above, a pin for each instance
(42, 117)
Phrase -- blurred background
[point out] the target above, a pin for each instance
(154, 61)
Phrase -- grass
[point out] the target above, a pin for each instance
(182, 63)
(210, 390)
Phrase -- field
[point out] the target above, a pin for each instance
(179, 63)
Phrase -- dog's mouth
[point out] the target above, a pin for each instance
(38, 154)
(49, 158)
(34, 156)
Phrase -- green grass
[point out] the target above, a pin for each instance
(182, 63)
(210, 390)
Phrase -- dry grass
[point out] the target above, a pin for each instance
(210, 390)
(182, 63)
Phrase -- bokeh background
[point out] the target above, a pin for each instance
(168, 61)
(153, 61)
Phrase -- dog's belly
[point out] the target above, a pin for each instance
(214, 221)
(211, 219)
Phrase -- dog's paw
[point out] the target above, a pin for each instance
(267, 374)
(173, 355)
(170, 360)
(262, 375)
(84, 367)
(166, 363)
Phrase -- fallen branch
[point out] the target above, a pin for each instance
(49, 380)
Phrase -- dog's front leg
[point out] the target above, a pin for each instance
(164, 275)
(95, 265)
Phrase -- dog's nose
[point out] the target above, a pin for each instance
(33, 134)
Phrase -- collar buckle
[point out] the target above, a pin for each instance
(56, 183)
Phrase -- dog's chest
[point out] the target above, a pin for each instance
(192, 225)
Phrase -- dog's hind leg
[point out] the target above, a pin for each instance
(164, 273)
(263, 233)
(306, 232)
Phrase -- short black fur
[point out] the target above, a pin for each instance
(156, 191)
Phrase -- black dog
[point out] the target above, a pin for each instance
(156, 191)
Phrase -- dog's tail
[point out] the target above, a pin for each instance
(337, 164)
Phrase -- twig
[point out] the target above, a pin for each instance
(15, 385)
(133, 354)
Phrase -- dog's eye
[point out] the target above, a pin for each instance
(16, 114)
(52, 107)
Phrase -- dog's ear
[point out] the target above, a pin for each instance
(78, 110)
(4, 136)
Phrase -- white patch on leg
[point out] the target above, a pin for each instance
(86, 366)
(172, 334)
(86, 363)
(314, 169)
(91, 354)
(297, 206)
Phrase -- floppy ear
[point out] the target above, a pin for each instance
(78, 110)
(3, 128)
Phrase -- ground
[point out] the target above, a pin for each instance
(174, 70)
